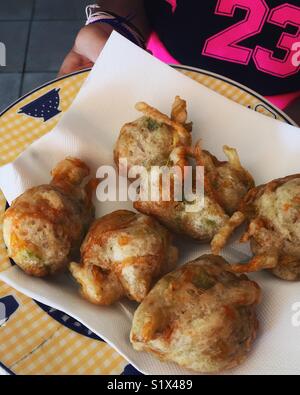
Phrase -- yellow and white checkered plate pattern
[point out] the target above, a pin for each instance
(33, 340)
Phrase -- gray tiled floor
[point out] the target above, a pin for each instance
(37, 35)
(16, 9)
(10, 84)
(58, 9)
(49, 43)
(33, 80)
(14, 35)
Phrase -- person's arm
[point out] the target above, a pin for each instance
(293, 111)
(91, 38)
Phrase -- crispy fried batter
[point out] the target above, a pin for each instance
(200, 316)
(259, 262)
(225, 184)
(150, 139)
(162, 118)
(272, 211)
(44, 226)
(179, 112)
(220, 239)
(200, 224)
(229, 181)
(157, 140)
(122, 255)
(97, 286)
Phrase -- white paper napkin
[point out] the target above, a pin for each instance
(123, 75)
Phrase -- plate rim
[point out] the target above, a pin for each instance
(286, 118)
(175, 66)
(240, 86)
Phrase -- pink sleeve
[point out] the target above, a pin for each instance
(158, 49)
(282, 101)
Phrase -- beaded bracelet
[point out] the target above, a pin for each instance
(120, 24)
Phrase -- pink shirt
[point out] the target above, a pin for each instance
(214, 47)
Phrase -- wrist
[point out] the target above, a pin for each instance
(91, 39)
(111, 21)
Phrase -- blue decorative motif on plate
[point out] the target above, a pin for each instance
(68, 321)
(46, 106)
(8, 305)
(129, 370)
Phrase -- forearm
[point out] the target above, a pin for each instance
(92, 38)
(133, 8)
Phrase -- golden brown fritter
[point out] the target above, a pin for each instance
(122, 255)
(200, 226)
(157, 140)
(225, 185)
(200, 316)
(44, 226)
(228, 180)
(150, 139)
(273, 213)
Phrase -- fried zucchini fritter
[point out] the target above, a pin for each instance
(200, 316)
(44, 226)
(201, 225)
(228, 180)
(225, 185)
(273, 213)
(157, 140)
(122, 255)
(149, 140)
